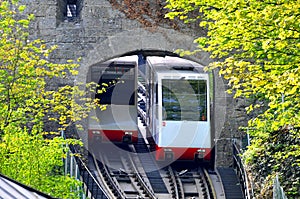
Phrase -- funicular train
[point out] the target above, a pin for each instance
(178, 108)
(117, 91)
(178, 115)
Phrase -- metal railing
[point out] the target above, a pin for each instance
(247, 187)
(75, 167)
(278, 192)
(71, 169)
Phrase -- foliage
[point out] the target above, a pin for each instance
(257, 43)
(29, 152)
(278, 154)
(36, 161)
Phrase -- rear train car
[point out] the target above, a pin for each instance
(178, 106)
(117, 91)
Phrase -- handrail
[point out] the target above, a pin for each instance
(278, 192)
(83, 169)
(142, 114)
(246, 186)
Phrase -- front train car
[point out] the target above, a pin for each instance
(117, 81)
(179, 109)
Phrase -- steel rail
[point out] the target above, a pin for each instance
(141, 181)
(210, 184)
(110, 180)
(111, 194)
(175, 184)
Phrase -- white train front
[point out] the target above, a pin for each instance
(178, 108)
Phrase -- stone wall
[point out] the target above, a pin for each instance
(100, 32)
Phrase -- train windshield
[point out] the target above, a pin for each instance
(117, 85)
(184, 100)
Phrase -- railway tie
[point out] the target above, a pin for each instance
(151, 168)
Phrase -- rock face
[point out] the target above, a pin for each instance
(98, 30)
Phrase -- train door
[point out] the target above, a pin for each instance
(153, 107)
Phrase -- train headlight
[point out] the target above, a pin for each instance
(167, 150)
(200, 154)
(168, 154)
(127, 138)
(201, 151)
(96, 132)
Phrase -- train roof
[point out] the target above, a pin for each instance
(126, 60)
(161, 64)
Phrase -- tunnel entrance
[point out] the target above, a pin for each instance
(141, 55)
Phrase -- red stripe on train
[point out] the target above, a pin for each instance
(181, 153)
(112, 135)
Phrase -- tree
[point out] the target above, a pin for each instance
(257, 45)
(28, 152)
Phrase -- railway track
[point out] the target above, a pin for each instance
(120, 173)
(130, 172)
(152, 170)
(189, 182)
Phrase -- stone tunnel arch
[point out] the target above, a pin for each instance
(139, 39)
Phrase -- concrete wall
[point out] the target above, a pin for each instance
(102, 32)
